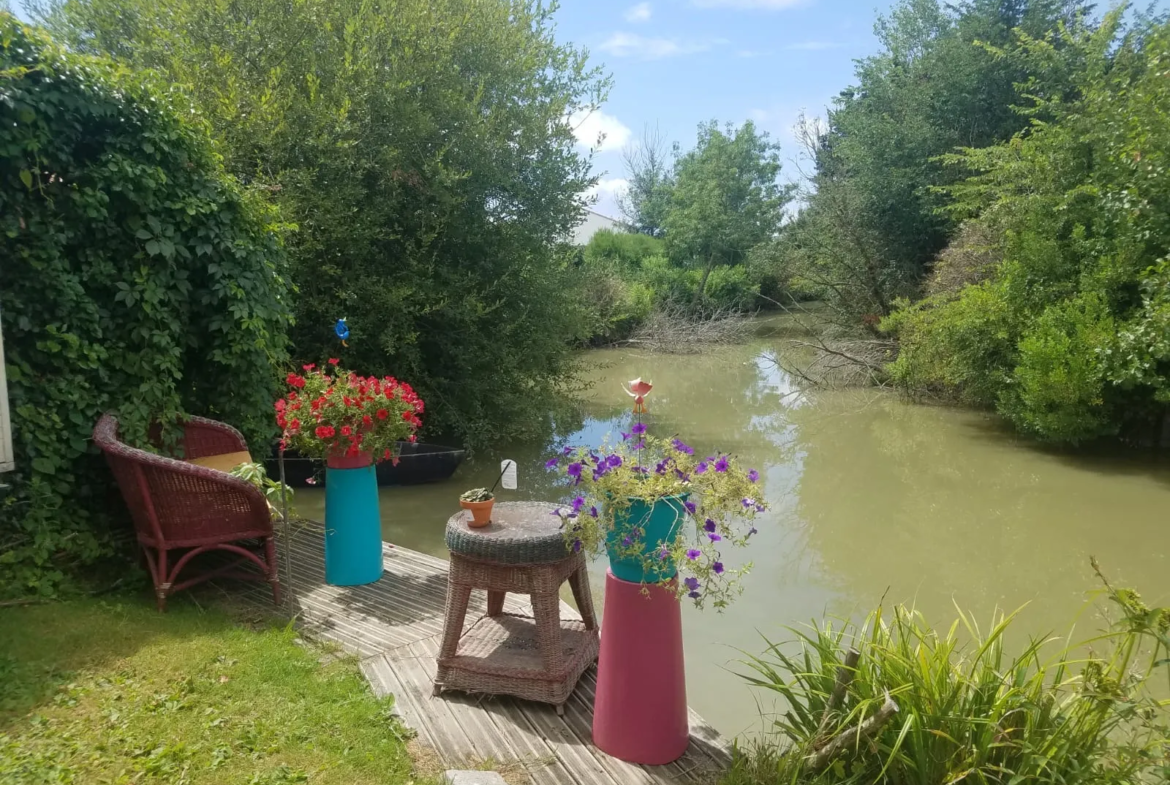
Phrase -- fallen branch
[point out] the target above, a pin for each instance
(853, 736)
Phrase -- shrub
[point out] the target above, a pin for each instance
(1058, 385)
(623, 250)
(1082, 715)
(137, 278)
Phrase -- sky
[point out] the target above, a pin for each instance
(678, 63)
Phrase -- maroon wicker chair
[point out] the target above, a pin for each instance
(182, 510)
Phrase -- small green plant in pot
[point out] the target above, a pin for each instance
(661, 511)
(479, 501)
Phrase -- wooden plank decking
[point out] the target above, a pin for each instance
(395, 627)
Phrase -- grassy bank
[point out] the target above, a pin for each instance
(111, 691)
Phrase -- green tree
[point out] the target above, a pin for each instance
(648, 171)
(137, 278)
(725, 199)
(422, 150)
(946, 78)
(1068, 338)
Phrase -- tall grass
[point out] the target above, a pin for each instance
(967, 710)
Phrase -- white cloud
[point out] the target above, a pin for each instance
(814, 46)
(647, 48)
(599, 131)
(638, 13)
(768, 5)
(752, 53)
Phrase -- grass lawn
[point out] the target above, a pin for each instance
(111, 691)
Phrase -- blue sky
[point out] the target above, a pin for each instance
(677, 63)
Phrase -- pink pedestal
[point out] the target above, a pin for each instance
(640, 711)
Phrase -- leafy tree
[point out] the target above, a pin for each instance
(423, 152)
(137, 278)
(1068, 337)
(946, 78)
(725, 199)
(647, 199)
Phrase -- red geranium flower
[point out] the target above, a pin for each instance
(367, 420)
(334, 361)
(280, 404)
(346, 430)
(382, 414)
(324, 432)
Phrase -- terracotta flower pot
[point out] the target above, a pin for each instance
(481, 512)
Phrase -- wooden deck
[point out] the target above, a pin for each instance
(395, 626)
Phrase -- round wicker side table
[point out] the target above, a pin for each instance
(537, 658)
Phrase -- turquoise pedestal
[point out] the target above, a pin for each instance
(353, 527)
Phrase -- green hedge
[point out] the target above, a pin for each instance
(138, 277)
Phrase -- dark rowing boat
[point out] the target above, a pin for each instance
(417, 464)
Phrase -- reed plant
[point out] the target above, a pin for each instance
(895, 701)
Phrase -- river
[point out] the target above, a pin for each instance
(871, 496)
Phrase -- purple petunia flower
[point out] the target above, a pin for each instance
(626, 541)
(694, 595)
(568, 451)
(614, 461)
(625, 436)
(752, 531)
(682, 475)
(721, 464)
(641, 470)
(714, 537)
(662, 554)
(593, 511)
(575, 470)
(753, 476)
(550, 464)
(576, 546)
(691, 583)
(709, 525)
(748, 503)
(717, 567)
(701, 468)
(691, 508)
(694, 553)
(760, 508)
(660, 468)
(640, 445)
(682, 447)
(578, 503)
(638, 429)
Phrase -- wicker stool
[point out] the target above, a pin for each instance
(537, 658)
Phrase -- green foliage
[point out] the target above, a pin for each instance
(621, 251)
(423, 151)
(970, 712)
(138, 278)
(725, 199)
(873, 221)
(1068, 337)
(113, 691)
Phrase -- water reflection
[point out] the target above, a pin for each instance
(870, 496)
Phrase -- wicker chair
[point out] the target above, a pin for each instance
(184, 509)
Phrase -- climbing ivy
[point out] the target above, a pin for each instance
(137, 278)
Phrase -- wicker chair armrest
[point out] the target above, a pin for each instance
(229, 484)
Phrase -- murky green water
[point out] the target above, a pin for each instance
(871, 496)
